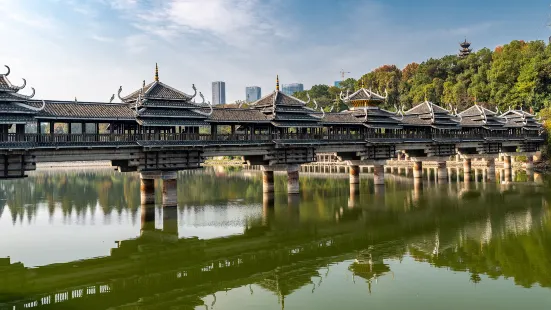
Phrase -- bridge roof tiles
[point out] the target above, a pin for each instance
(155, 122)
(238, 115)
(169, 113)
(16, 119)
(169, 104)
(429, 114)
(342, 118)
(157, 90)
(364, 94)
(84, 110)
(286, 124)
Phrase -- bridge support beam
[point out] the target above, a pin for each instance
(293, 186)
(354, 174)
(147, 190)
(417, 169)
(378, 174)
(267, 181)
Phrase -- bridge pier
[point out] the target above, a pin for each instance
(267, 181)
(379, 174)
(507, 168)
(442, 171)
(354, 174)
(530, 162)
(147, 189)
(170, 192)
(354, 194)
(491, 167)
(147, 218)
(467, 168)
(417, 169)
(293, 186)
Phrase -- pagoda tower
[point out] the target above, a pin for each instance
(465, 49)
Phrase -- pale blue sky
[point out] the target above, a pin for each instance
(87, 48)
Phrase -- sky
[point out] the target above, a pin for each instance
(88, 48)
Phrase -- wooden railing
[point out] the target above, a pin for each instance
(60, 139)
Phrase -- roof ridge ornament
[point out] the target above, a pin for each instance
(119, 93)
(25, 96)
(277, 82)
(9, 70)
(194, 91)
(30, 107)
(22, 86)
(156, 73)
(209, 104)
(112, 98)
(308, 96)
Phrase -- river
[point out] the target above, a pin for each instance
(79, 239)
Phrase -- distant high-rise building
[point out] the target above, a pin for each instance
(218, 93)
(253, 93)
(290, 89)
(337, 83)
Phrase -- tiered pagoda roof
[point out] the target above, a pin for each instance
(285, 111)
(520, 119)
(363, 98)
(465, 50)
(428, 114)
(15, 107)
(157, 104)
(477, 116)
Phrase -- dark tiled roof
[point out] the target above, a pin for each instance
(365, 94)
(294, 117)
(158, 90)
(280, 98)
(170, 122)
(6, 85)
(166, 112)
(520, 119)
(296, 124)
(341, 118)
(11, 107)
(430, 114)
(16, 119)
(477, 116)
(238, 115)
(170, 104)
(84, 110)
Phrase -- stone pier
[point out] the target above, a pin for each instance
(491, 167)
(467, 169)
(147, 190)
(354, 174)
(442, 171)
(170, 189)
(267, 181)
(293, 186)
(417, 169)
(379, 174)
(530, 162)
(507, 168)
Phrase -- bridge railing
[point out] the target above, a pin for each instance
(108, 138)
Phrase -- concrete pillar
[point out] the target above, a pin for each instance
(442, 171)
(379, 174)
(467, 168)
(267, 181)
(491, 166)
(530, 162)
(354, 174)
(293, 186)
(418, 169)
(147, 191)
(507, 169)
(170, 192)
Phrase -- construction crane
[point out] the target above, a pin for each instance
(343, 73)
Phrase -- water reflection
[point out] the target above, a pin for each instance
(285, 245)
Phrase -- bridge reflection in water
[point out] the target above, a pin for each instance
(292, 244)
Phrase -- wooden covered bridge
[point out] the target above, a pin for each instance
(158, 130)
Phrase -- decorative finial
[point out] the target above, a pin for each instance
(143, 84)
(277, 82)
(156, 72)
(76, 101)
